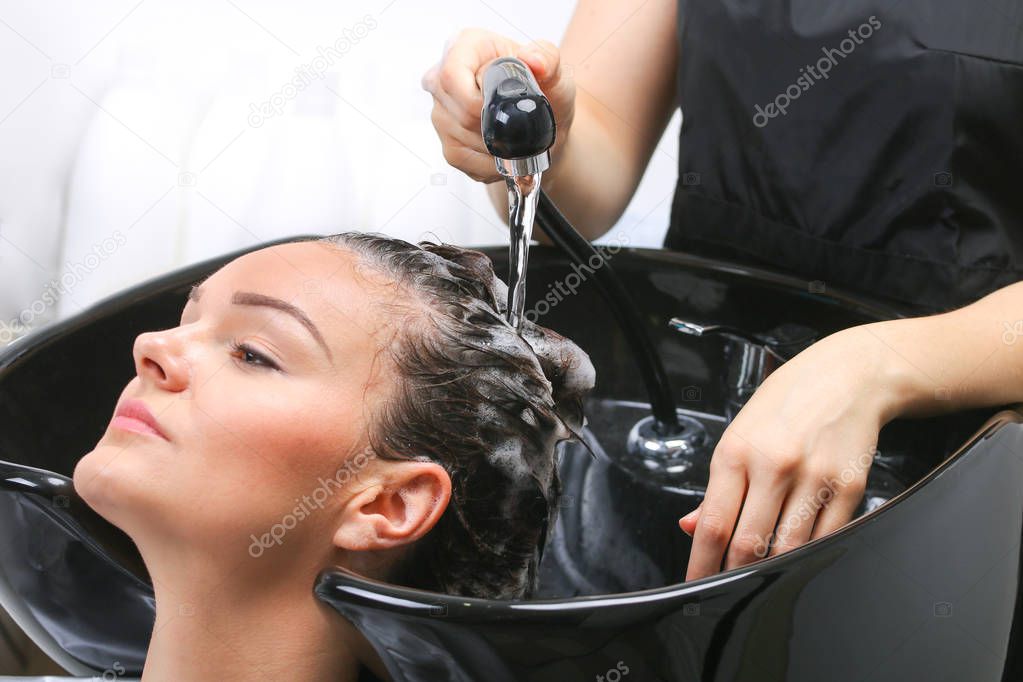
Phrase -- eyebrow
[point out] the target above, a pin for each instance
(252, 298)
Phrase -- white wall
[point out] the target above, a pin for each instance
(128, 144)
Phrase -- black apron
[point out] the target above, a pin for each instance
(876, 147)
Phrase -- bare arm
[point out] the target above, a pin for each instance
(623, 56)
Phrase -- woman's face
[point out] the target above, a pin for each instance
(263, 392)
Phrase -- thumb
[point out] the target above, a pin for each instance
(543, 59)
(688, 522)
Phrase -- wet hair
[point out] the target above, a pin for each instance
(487, 403)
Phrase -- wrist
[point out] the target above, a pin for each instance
(903, 384)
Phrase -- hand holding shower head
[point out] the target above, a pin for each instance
(518, 128)
(517, 120)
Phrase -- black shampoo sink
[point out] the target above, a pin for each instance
(922, 585)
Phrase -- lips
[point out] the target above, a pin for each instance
(133, 415)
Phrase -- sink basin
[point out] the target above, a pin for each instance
(922, 584)
(616, 526)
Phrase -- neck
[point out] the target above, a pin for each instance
(245, 623)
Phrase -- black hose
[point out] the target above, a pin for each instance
(579, 250)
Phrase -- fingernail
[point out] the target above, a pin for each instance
(691, 514)
(429, 77)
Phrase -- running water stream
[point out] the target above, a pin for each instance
(523, 193)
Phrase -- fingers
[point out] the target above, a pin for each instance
(457, 76)
(458, 101)
(821, 504)
(839, 510)
(456, 85)
(720, 510)
(688, 522)
(543, 59)
(465, 117)
(757, 520)
(442, 118)
(429, 80)
(797, 517)
(767, 503)
(479, 167)
(431, 83)
(460, 134)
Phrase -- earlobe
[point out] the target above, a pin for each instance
(397, 511)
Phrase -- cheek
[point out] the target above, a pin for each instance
(257, 449)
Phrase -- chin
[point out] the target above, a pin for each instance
(110, 479)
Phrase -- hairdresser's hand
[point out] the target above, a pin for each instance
(456, 84)
(797, 455)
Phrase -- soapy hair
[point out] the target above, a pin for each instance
(487, 403)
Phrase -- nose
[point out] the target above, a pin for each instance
(159, 359)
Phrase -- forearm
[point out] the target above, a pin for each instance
(590, 179)
(969, 357)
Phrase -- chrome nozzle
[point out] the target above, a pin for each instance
(531, 165)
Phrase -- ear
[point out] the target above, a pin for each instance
(401, 508)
